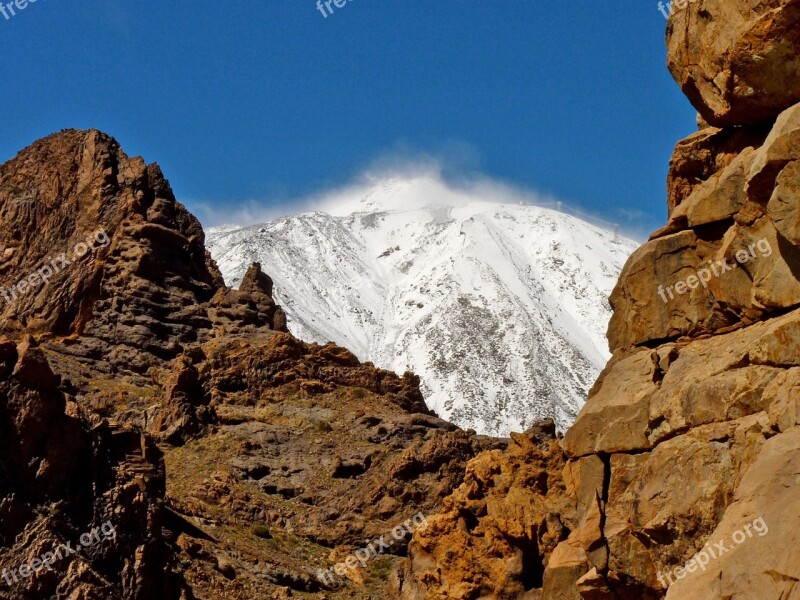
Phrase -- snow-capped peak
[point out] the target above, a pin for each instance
(501, 308)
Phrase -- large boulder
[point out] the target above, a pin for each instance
(737, 61)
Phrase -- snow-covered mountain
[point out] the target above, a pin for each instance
(500, 308)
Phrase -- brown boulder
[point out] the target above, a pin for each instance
(32, 367)
(703, 154)
(616, 417)
(781, 146)
(738, 62)
(718, 198)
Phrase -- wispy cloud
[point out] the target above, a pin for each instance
(439, 179)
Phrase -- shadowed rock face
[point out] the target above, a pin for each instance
(234, 460)
(66, 473)
(690, 436)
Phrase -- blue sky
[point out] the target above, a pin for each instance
(268, 101)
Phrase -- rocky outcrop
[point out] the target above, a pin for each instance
(102, 263)
(722, 356)
(727, 258)
(680, 474)
(506, 519)
(96, 248)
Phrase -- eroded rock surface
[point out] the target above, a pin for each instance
(497, 532)
(66, 473)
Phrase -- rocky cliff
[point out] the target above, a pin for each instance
(681, 476)
(139, 393)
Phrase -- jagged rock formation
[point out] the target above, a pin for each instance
(279, 457)
(498, 550)
(681, 476)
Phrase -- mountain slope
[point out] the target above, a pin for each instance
(500, 308)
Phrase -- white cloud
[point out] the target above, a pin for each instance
(430, 176)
